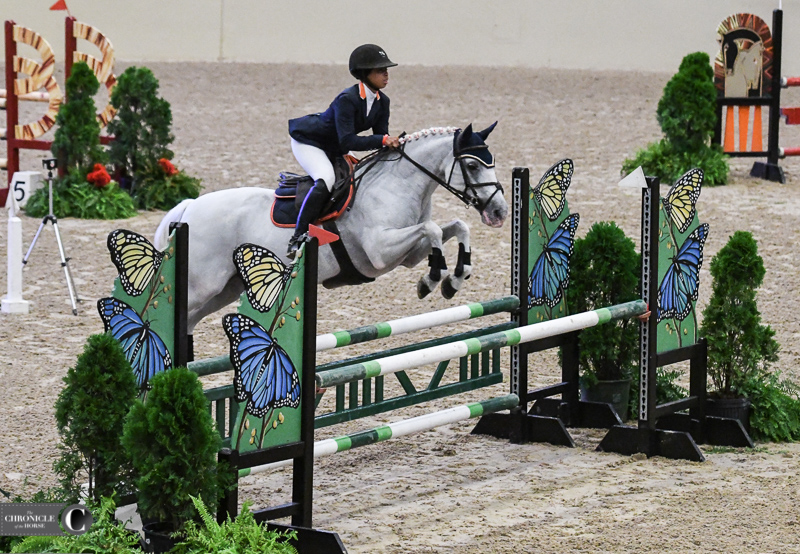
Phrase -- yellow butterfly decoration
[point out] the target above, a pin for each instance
(551, 192)
(136, 259)
(263, 273)
(682, 197)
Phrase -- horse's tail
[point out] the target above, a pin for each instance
(173, 216)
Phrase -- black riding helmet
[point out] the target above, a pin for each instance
(366, 58)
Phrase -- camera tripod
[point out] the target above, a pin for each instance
(50, 165)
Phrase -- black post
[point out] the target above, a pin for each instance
(183, 354)
(520, 178)
(229, 503)
(771, 170)
(303, 468)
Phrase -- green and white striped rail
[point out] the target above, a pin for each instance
(399, 429)
(428, 320)
(366, 333)
(449, 351)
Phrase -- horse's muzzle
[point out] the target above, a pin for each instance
(494, 216)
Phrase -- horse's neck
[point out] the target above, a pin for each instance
(401, 177)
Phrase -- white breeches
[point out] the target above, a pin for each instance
(315, 162)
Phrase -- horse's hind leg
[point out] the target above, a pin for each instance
(453, 282)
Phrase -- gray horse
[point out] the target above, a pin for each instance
(388, 225)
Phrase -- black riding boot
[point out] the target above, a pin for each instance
(309, 213)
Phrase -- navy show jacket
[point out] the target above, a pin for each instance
(336, 129)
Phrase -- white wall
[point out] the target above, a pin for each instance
(645, 35)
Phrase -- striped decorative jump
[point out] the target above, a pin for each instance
(399, 429)
(511, 337)
(408, 324)
(415, 323)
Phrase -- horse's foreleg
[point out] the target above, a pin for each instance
(463, 270)
(409, 246)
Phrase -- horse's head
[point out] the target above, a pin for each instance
(475, 181)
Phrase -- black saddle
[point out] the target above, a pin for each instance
(293, 189)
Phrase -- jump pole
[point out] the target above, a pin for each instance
(449, 351)
(418, 322)
(398, 429)
(394, 327)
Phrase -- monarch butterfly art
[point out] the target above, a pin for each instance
(681, 199)
(263, 273)
(680, 283)
(551, 192)
(136, 259)
(550, 274)
(263, 372)
(143, 348)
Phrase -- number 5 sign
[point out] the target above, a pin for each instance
(24, 184)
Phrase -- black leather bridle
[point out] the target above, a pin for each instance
(468, 196)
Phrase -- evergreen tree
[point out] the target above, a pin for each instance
(141, 127)
(90, 412)
(76, 143)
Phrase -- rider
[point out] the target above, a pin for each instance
(318, 138)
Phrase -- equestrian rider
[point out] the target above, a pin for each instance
(317, 139)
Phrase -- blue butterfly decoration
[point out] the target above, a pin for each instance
(263, 372)
(680, 283)
(550, 274)
(144, 349)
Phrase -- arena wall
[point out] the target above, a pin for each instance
(642, 35)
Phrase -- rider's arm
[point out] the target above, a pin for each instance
(345, 113)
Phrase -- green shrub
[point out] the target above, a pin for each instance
(243, 535)
(141, 127)
(604, 271)
(775, 408)
(76, 143)
(90, 411)
(73, 196)
(158, 191)
(687, 116)
(740, 348)
(173, 444)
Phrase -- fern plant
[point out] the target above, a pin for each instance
(242, 535)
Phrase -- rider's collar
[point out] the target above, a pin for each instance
(364, 90)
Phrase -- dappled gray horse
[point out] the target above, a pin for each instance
(389, 223)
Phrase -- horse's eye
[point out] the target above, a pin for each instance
(472, 166)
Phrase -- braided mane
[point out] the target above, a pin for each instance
(427, 132)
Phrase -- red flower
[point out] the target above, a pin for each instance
(99, 177)
(167, 166)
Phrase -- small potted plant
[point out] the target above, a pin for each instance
(740, 348)
(604, 271)
(173, 444)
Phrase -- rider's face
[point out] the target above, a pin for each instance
(378, 78)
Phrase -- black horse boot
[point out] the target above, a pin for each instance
(310, 211)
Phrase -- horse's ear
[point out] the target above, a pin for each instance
(485, 133)
(464, 136)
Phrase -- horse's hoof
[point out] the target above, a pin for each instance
(423, 289)
(448, 290)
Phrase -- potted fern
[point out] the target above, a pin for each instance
(604, 271)
(173, 444)
(242, 535)
(740, 348)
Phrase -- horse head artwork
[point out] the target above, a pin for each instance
(388, 225)
(745, 75)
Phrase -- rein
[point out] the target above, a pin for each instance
(468, 196)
